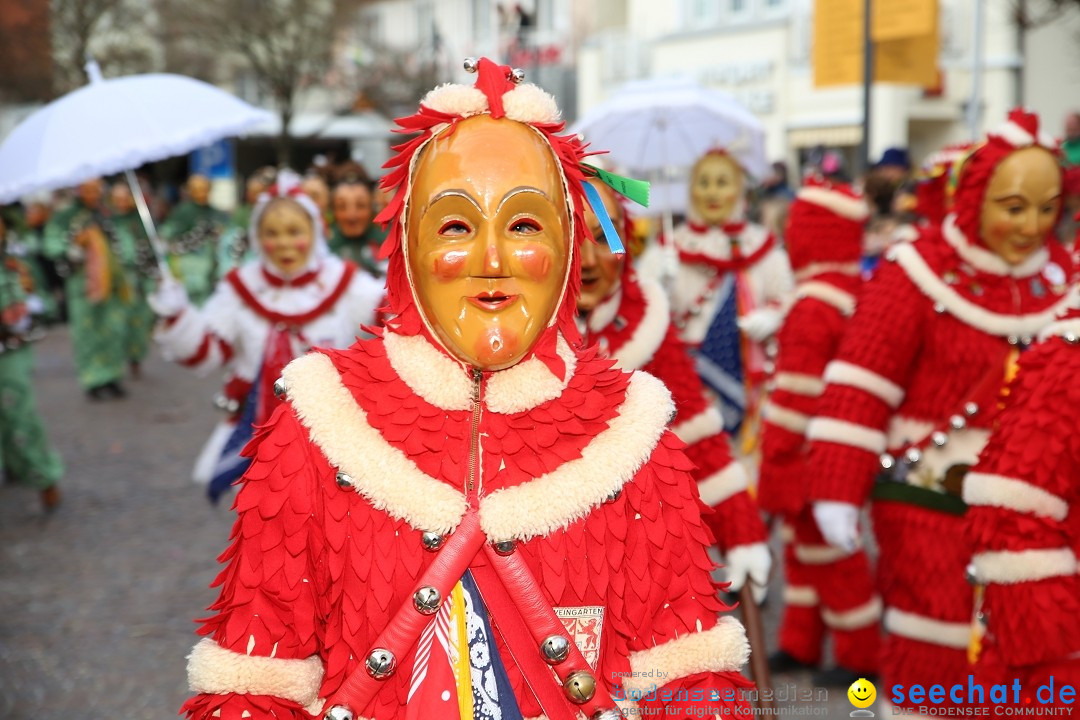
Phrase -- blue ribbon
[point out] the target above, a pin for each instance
(614, 242)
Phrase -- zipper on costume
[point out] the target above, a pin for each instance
(474, 435)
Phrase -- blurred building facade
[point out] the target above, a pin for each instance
(760, 50)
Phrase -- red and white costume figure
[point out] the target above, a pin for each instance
(729, 292)
(633, 327)
(826, 589)
(259, 319)
(1021, 521)
(394, 470)
(913, 386)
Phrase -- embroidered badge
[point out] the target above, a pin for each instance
(584, 624)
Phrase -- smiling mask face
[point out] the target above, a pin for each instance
(487, 240)
(1022, 203)
(716, 185)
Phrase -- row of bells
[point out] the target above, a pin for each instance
(913, 455)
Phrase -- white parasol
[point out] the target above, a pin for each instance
(115, 125)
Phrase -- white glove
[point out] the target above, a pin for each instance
(169, 299)
(751, 562)
(761, 323)
(839, 523)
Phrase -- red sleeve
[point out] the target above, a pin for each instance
(807, 341)
(722, 483)
(1019, 519)
(262, 635)
(878, 350)
(671, 604)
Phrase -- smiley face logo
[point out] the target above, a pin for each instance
(862, 693)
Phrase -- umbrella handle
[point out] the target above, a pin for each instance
(148, 224)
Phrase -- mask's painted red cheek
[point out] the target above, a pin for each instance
(449, 264)
(536, 262)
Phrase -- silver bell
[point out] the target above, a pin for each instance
(380, 664)
(939, 438)
(887, 461)
(957, 422)
(505, 547)
(613, 495)
(1071, 338)
(344, 479)
(939, 308)
(970, 409)
(338, 712)
(609, 714)
(913, 455)
(279, 387)
(971, 575)
(1013, 340)
(1025, 340)
(555, 649)
(517, 75)
(426, 600)
(432, 541)
(471, 64)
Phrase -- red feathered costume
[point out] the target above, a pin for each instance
(1022, 525)
(633, 326)
(826, 589)
(355, 510)
(916, 377)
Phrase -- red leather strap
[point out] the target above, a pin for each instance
(405, 627)
(523, 648)
(541, 621)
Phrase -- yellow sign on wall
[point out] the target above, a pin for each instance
(905, 49)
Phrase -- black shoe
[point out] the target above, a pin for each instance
(116, 390)
(98, 393)
(50, 499)
(840, 677)
(782, 662)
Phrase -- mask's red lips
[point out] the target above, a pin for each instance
(491, 300)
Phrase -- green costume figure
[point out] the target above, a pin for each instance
(26, 241)
(193, 232)
(25, 455)
(97, 291)
(353, 235)
(140, 271)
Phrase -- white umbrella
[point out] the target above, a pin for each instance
(649, 126)
(115, 125)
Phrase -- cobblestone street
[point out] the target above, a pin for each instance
(97, 601)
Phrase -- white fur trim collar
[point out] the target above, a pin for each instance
(443, 382)
(1067, 329)
(992, 323)
(392, 483)
(716, 244)
(649, 335)
(987, 261)
(604, 314)
(608, 462)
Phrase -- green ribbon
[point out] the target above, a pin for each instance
(636, 190)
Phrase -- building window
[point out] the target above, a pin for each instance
(700, 13)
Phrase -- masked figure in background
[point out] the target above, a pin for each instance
(262, 315)
(826, 589)
(729, 292)
(1022, 525)
(628, 318)
(26, 241)
(355, 237)
(83, 240)
(236, 248)
(911, 394)
(140, 270)
(193, 231)
(25, 455)
(443, 519)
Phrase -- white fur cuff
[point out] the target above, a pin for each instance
(927, 629)
(800, 384)
(216, 671)
(843, 373)
(819, 554)
(705, 424)
(800, 596)
(723, 648)
(846, 433)
(1012, 494)
(1024, 566)
(858, 617)
(828, 294)
(782, 417)
(723, 483)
